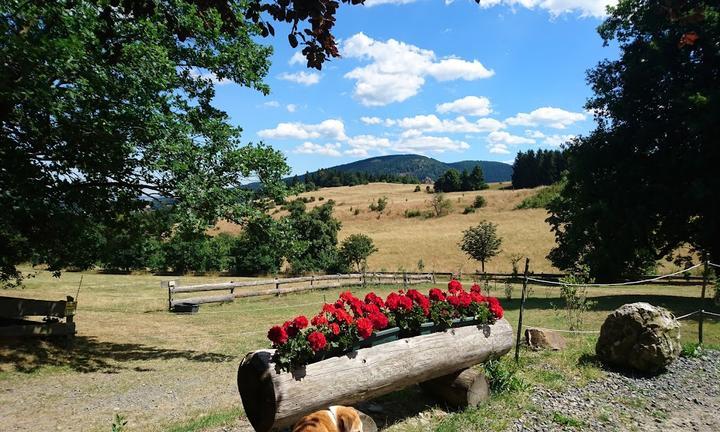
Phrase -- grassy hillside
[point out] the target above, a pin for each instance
(423, 166)
(402, 241)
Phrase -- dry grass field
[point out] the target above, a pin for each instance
(168, 372)
(402, 241)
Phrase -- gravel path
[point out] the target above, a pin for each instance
(685, 398)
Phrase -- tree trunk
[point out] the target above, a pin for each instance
(273, 400)
(462, 389)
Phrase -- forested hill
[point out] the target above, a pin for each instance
(421, 167)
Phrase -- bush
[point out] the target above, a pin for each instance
(356, 249)
(469, 210)
(481, 242)
(439, 205)
(479, 202)
(417, 188)
(575, 300)
(412, 213)
(380, 205)
(261, 247)
(542, 198)
(502, 377)
(188, 251)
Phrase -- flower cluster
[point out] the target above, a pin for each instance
(340, 326)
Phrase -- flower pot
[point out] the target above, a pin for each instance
(465, 321)
(379, 338)
(429, 327)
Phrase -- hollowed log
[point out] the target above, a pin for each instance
(464, 388)
(273, 399)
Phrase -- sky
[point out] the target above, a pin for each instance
(452, 80)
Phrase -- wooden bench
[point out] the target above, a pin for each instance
(58, 317)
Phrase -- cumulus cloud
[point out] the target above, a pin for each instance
(469, 105)
(397, 71)
(328, 129)
(507, 139)
(371, 3)
(324, 149)
(431, 123)
(585, 8)
(424, 144)
(358, 152)
(498, 149)
(302, 77)
(546, 116)
(297, 58)
(368, 142)
(371, 120)
(557, 140)
(271, 104)
(291, 107)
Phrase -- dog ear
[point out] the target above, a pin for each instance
(346, 420)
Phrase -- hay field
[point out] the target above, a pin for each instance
(402, 241)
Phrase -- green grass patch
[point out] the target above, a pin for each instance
(211, 420)
(564, 420)
(542, 198)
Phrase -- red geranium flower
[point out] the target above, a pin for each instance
(476, 289)
(477, 297)
(364, 327)
(319, 320)
(277, 335)
(371, 308)
(454, 286)
(454, 301)
(393, 301)
(372, 298)
(495, 308)
(347, 297)
(357, 307)
(405, 303)
(342, 316)
(290, 328)
(317, 341)
(437, 295)
(328, 308)
(379, 320)
(465, 299)
(300, 322)
(335, 329)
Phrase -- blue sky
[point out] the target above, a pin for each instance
(451, 80)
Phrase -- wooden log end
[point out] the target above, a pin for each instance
(464, 388)
(256, 390)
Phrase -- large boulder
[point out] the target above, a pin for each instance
(639, 336)
(538, 339)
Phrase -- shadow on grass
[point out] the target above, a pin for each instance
(85, 354)
(676, 304)
(397, 406)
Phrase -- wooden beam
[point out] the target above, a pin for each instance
(461, 389)
(13, 307)
(37, 329)
(201, 300)
(273, 400)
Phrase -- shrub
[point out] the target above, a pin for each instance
(542, 198)
(469, 210)
(356, 212)
(575, 300)
(439, 205)
(321, 198)
(481, 242)
(502, 377)
(380, 205)
(479, 202)
(412, 213)
(417, 188)
(356, 249)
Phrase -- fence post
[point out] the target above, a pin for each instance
(170, 285)
(701, 319)
(277, 288)
(522, 308)
(405, 280)
(433, 276)
(312, 280)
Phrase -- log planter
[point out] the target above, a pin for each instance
(274, 400)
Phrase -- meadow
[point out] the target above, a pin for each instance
(170, 372)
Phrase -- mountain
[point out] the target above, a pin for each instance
(423, 166)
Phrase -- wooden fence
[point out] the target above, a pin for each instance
(275, 286)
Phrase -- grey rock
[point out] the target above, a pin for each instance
(639, 336)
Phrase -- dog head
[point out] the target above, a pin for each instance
(348, 419)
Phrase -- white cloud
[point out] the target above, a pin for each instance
(469, 105)
(431, 123)
(498, 149)
(534, 134)
(397, 70)
(325, 149)
(368, 142)
(557, 140)
(546, 116)
(328, 129)
(302, 77)
(297, 58)
(585, 8)
(371, 120)
(271, 104)
(507, 139)
(358, 152)
(424, 144)
(291, 108)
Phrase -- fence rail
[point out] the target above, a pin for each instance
(312, 282)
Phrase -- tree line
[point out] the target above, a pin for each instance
(453, 180)
(304, 239)
(538, 168)
(333, 178)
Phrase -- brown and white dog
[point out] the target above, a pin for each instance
(333, 419)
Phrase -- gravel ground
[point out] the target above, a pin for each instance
(685, 398)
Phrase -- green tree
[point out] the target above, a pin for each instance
(450, 181)
(314, 236)
(477, 179)
(105, 104)
(356, 249)
(439, 205)
(481, 242)
(643, 182)
(262, 246)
